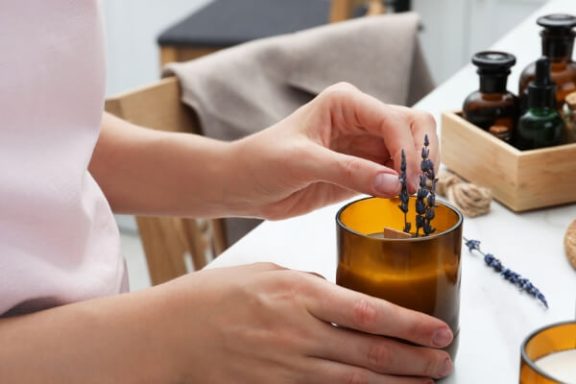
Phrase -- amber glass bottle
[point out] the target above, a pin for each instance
(493, 108)
(557, 45)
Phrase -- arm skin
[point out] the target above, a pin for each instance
(151, 172)
(250, 324)
(97, 341)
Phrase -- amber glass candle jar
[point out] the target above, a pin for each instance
(420, 273)
(549, 355)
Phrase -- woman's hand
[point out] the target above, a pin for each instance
(265, 324)
(254, 324)
(341, 143)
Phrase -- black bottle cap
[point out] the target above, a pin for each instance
(557, 35)
(493, 62)
(558, 22)
(542, 90)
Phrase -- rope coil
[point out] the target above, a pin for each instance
(570, 243)
(471, 199)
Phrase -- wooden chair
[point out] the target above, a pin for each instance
(225, 23)
(168, 241)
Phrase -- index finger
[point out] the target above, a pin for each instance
(422, 125)
(406, 129)
(400, 128)
(368, 314)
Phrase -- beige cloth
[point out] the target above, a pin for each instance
(243, 89)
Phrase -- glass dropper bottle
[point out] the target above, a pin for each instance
(541, 125)
(557, 45)
(493, 108)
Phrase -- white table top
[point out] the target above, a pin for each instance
(495, 317)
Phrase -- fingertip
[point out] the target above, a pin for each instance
(387, 184)
(442, 337)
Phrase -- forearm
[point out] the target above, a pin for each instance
(148, 172)
(106, 340)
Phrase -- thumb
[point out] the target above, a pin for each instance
(357, 174)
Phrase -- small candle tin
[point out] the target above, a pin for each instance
(544, 343)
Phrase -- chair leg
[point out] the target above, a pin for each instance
(376, 7)
(164, 247)
(219, 242)
(340, 10)
(196, 233)
(168, 55)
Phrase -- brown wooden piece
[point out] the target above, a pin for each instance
(391, 233)
(341, 10)
(167, 241)
(171, 54)
(521, 180)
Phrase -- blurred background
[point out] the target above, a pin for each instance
(451, 31)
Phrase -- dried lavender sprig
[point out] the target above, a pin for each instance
(426, 195)
(404, 197)
(521, 282)
(421, 205)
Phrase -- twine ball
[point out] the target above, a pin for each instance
(570, 243)
(471, 199)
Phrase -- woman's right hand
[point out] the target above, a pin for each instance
(265, 324)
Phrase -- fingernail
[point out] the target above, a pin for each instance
(446, 368)
(442, 338)
(387, 184)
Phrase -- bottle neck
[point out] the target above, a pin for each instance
(543, 111)
(558, 46)
(493, 83)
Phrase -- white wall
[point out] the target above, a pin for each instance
(456, 29)
(132, 27)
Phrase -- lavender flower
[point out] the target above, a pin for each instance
(426, 195)
(513, 277)
(404, 197)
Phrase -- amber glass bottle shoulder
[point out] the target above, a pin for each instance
(563, 73)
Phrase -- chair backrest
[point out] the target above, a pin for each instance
(167, 241)
(198, 34)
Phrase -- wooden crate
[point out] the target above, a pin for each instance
(521, 180)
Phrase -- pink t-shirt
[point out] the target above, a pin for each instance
(58, 239)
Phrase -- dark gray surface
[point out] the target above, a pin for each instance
(224, 23)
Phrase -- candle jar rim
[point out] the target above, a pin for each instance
(524, 355)
(451, 207)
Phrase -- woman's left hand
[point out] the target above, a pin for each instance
(341, 143)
